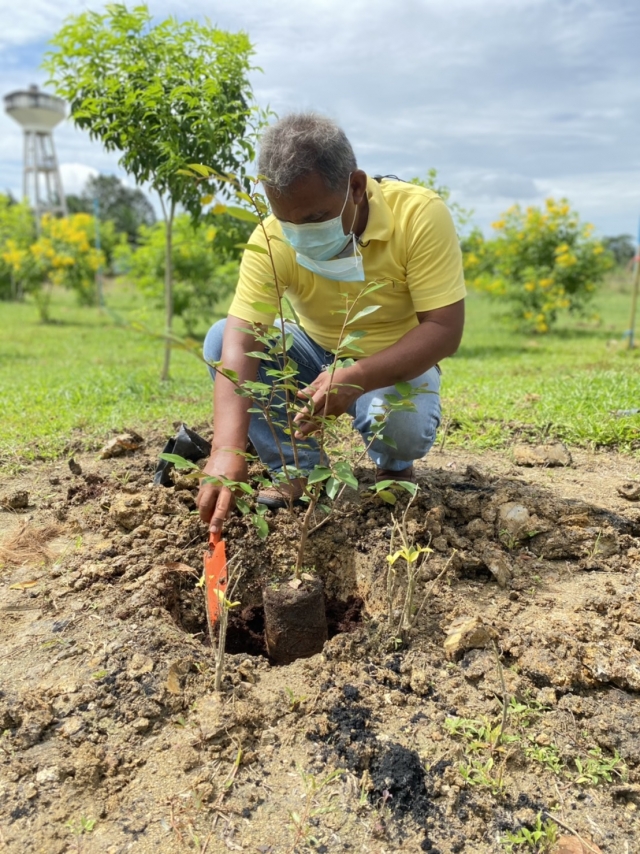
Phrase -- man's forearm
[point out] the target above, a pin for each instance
(417, 351)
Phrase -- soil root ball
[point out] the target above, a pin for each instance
(295, 621)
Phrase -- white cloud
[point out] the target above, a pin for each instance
(74, 177)
(507, 99)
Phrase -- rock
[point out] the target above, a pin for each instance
(130, 512)
(614, 663)
(15, 500)
(498, 565)
(477, 528)
(121, 444)
(572, 845)
(514, 519)
(466, 633)
(139, 665)
(541, 455)
(141, 725)
(71, 726)
(178, 671)
(49, 775)
(630, 491)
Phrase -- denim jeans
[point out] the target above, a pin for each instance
(413, 433)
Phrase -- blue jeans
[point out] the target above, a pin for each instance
(413, 433)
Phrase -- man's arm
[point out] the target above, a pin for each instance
(231, 431)
(437, 336)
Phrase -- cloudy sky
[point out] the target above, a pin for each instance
(510, 100)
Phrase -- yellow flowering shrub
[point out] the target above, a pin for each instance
(540, 262)
(17, 232)
(63, 255)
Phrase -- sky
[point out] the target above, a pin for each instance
(510, 100)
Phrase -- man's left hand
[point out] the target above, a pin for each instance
(329, 394)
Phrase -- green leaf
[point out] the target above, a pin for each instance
(261, 526)
(374, 286)
(319, 474)
(332, 487)
(363, 313)
(344, 473)
(264, 307)
(242, 506)
(387, 496)
(252, 247)
(242, 214)
(404, 389)
(204, 171)
(178, 461)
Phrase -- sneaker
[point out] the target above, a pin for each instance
(407, 475)
(283, 494)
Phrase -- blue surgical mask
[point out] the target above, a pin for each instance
(315, 243)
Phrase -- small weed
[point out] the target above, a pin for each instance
(294, 701)
(547, 755)
(540, 838)
(300, 821)
(597, 768)
(485, 774)
(99, 674)
(80, 828)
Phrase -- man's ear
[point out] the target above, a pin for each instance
(359, 185)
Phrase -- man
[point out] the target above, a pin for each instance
(336, 230)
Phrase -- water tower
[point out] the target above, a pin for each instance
(38, 113)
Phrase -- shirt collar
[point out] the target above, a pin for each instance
(380, 225)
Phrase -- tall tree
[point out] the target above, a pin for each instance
(165, 96)
(127, 208)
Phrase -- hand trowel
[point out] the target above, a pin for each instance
(215, 576)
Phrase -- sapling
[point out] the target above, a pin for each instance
(412, 557)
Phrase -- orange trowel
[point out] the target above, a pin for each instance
(215, 576)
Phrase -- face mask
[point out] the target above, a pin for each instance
(317, 242)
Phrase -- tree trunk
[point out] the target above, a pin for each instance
(168, 290)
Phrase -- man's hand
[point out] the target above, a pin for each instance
(342, 389)
(214, 501)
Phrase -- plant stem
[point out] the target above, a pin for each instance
(168, 285)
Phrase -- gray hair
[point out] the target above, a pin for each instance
(301, 143)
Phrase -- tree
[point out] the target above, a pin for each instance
(621, 247)
(63, 254)
(541, 262)
(165, 96)
(17, 232)
(128, 209)
(204, 274)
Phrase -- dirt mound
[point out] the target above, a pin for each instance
(113, 736)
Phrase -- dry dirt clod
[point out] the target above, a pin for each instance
(498, 565)
(119, 445)
(18, 500)
(542, 455)
(464, 634)
(630, 491)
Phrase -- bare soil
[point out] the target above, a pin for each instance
(114, 740)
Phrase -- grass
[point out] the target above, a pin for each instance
(68, 384)
(567, 384)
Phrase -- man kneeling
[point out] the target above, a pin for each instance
(337, 229)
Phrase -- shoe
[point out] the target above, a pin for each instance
(405, 475)
(283, 494)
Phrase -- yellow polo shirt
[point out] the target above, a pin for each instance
(410, 245)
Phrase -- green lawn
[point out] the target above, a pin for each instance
(67, 384)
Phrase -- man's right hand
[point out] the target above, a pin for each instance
(214, 501)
